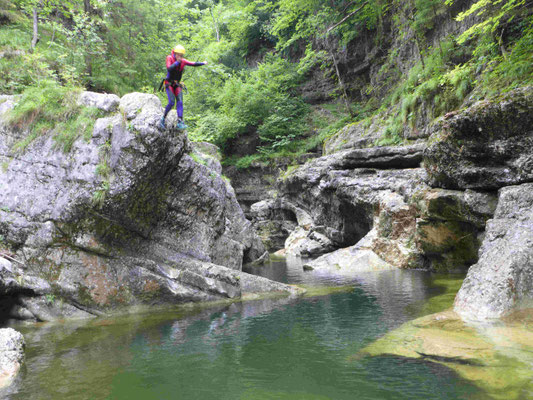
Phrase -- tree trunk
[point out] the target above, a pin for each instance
(419, 48)
(35, 29)
(341, 84)
(88, 57)
(217, 33)
(346, 17)
(87, 6)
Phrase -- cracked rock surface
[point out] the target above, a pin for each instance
(125, 218)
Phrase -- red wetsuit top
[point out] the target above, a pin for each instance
(175, 69)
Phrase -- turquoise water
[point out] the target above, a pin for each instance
(303, 348)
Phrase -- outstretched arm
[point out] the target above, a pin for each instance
(193, 64)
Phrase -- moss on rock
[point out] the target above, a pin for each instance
(497, 358)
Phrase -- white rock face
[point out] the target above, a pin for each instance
(11, 355)
(502, 280)
(352, 260)
(105, 102)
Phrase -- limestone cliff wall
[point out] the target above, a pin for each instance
(459, 200)
(160, 226)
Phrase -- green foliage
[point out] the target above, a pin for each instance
(198, 158)
(312, 59)
(439, 84)
(513, 70)
(425, 12)
(258, 101)
(295, 20)
(50, 298)
(491, 13)
(49, 107)
(99, 196)
(245, 162)
(103, 169)
(321, 122)
(9, 13)
(18, 68)
(80, 124)
(258, 52)
(392, 134)
(436, 84)
(283, 125)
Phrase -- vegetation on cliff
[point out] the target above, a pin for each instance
(270, 58)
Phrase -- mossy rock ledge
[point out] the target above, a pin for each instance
(125, 218)
(484, 147)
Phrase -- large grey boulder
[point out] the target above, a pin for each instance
(345, 200)
(502, 280)
(343, 195)
(351, 260)
(127, 218)
(102, 101)
(354, 136)
(487, 146)
(385, 157)
(11, 355)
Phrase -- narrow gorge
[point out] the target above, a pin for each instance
(337, 204)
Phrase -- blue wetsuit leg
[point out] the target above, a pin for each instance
(179, 105)
(171, 100)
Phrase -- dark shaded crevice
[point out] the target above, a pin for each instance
(88, 310)
(10, 305)
(356, 223)
(283, 214)
(452, 360)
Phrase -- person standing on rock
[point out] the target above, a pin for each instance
(173, 85)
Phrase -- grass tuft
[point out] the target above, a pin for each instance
(51, 108)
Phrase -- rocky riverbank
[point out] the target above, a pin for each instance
(495, 357)
(456, 201)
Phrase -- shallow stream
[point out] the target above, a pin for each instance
(305, 348)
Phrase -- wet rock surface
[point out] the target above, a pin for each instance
(128, 217)
(496, 357)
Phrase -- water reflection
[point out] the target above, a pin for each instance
(393, 290)
(265, 349)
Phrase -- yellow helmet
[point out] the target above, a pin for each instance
(179, 49)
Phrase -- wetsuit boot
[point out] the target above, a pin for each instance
(181, 125)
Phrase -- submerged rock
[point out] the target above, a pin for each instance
(11, 355)
(127, 217)
(495, 357)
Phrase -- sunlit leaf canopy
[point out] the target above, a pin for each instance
(260, 52)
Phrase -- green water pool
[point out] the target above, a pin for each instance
(305, 348)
